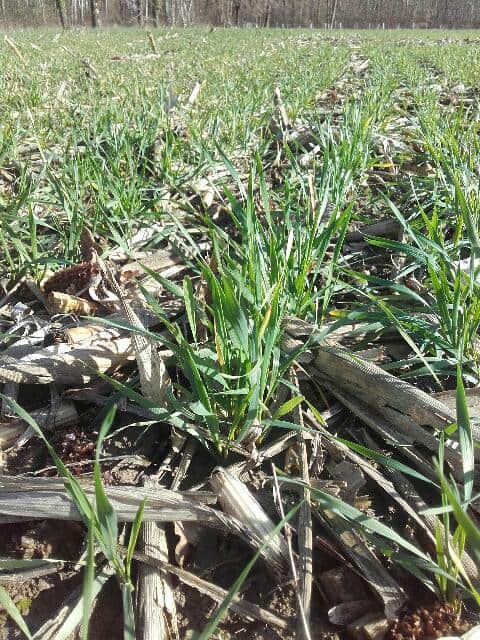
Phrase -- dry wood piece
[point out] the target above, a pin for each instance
(278, 102)
(403, 493)
(92, 347)
(43, 499)
(376, 396)
(160, 261)
(139, 57)
(241, 469)
(14, 48)
(371, 626)
(58, 302)
(30, 573)
(177, 442)
(154, 603)
(341, 366)
(139, 239)
(390, 432)
(305, 533)
(449, 398)
(237, 501)
(153, 44)
(40, 498)
(90, 70)
(351, 476)
(10, 391)
(192, 98)
(434, 524)
(414, 506)
(154, 378)
(186, 460)
(81, 352)
(303, 627)
(64, 363)
(380, 389)
(10, 432)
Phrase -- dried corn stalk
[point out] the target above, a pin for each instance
(237, 501)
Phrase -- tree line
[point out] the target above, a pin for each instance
(256, 13)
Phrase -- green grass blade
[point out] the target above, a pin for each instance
(106, 514)
(465, 436)
(88, 579)
(128, 612)
(7, 603)
(134, 533)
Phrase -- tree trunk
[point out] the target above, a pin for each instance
(94, 14)
(123, 11)
(236, 12)
(156, 12)
(334, 11)
(317, 14)
(140, 12)
(268, 11)
(61, 12)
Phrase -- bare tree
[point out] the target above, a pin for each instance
(60, 4)
(268, 13)
(139, 9)
(236, 12)
(123, 7)
(289, 13)
(156, 12)
(334, 12)
(185, 9)
(94, 14)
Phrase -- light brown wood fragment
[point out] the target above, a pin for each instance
(278, 102)
(64, 363)
(305, 534)
(236, 500)
(58, 302)
(155, 612)
(41, 498)
(371, 626)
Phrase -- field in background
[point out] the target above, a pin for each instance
(52, 100)
(324, 175)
